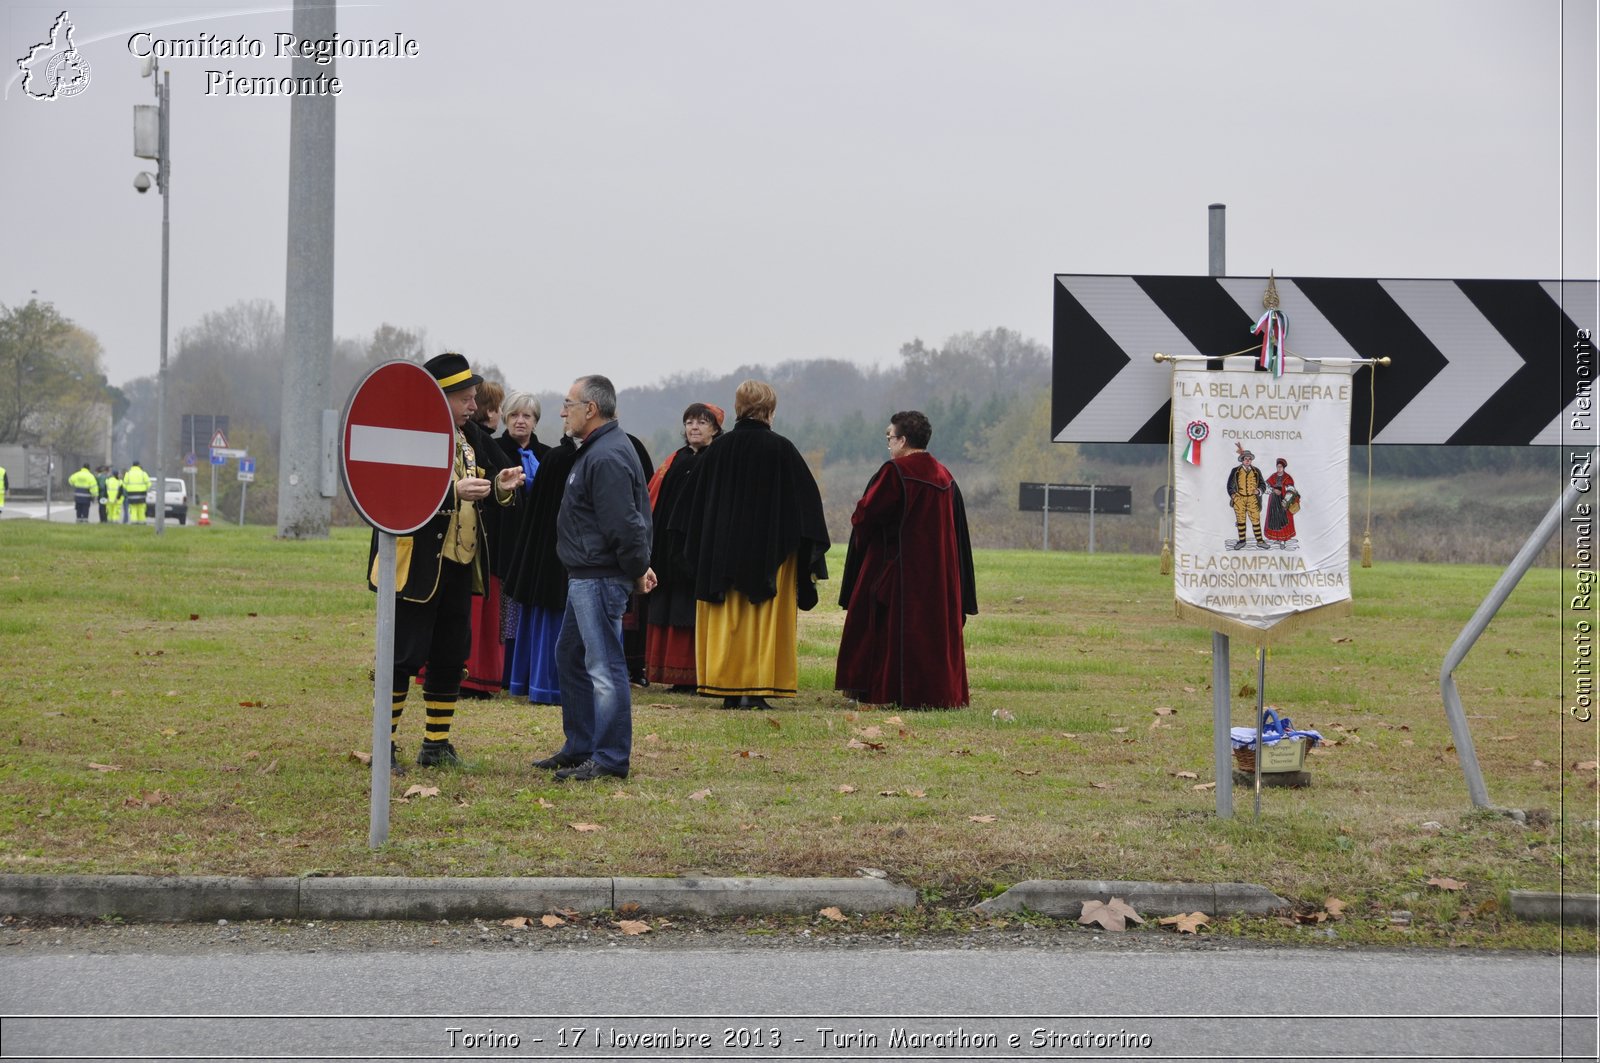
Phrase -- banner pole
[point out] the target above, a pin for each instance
(382, 680)
(1261, 705)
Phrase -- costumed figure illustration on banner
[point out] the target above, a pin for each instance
(1243, 560)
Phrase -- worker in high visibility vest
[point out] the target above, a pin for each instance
(84, 488)
(114, 496)
(135, 487)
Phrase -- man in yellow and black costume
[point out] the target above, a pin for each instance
(438, 569)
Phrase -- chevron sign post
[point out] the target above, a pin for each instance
(1475, 362)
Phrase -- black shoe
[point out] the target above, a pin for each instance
(755, 703)
(439, 755)
(395, 767)
(682, 688)
(733, 703)
(556, 761)
(588, 771)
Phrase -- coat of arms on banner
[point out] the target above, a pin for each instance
(1261, 480)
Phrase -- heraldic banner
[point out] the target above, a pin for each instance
(1261, 477)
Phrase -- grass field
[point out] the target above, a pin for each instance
(191, 704)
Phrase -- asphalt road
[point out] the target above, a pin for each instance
(479, 991)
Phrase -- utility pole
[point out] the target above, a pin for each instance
(307, 479)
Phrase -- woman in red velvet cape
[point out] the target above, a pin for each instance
(908, 583)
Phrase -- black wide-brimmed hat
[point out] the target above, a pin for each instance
(452, 371)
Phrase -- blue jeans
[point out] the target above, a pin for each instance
(596, 704)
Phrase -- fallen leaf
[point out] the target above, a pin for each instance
(1246, 691)
(632, 927)
(981, 819)
(1068, 734)
(584, 828)
(104, 767)
(1186, 775)
(916, 793)
(660, 705)
(1340, 638)
(359, 757)
(516, 922)
(888, 793)
(268, 769)
(570, 914)
(652, 737)
(1587, 765)
(252, 755)
(871, 732)
(700, 795)
(847, 789)
(1538, 764)
(894, 721)
(750, 754)
(546, 804)
(856, 743)
(774, 724)
(552, 921)
(166, 732)
(1186, 924)
(1005, 715)
(1503, 738)
(418, 790)
(1165, 710)
(1025, 772)
(1101, 785)
(194, 616)
(1335, 907)
(1205, 786)
(629, 908)
(832, 913)
(1119, 730)
(1112, 915)
(1447, 883)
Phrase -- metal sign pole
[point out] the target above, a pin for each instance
(382, 679)
(244, 489)
(1091, 518)
(1047, 518)
(1221, 689)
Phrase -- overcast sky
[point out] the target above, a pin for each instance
(647, 188)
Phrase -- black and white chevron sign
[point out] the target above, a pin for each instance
(1474, 361)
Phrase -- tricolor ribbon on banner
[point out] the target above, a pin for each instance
(1197, 433)
(1273, 328)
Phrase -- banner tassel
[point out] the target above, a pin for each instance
(1166, 559)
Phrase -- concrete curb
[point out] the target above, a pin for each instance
(1064, 898)
(185, 898)
(1556, 907)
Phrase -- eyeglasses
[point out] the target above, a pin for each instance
(567, 404)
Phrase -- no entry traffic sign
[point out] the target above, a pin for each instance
(399, 447)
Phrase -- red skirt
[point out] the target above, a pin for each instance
(486, 665)
(669, 654)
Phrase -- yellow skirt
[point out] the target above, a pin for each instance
(750, 650)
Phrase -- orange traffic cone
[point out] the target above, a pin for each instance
(205, 514)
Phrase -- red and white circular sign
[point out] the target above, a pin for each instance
(399, 447)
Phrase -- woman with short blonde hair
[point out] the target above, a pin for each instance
(755, 539)
(755, 400)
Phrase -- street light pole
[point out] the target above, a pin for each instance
(163, 155)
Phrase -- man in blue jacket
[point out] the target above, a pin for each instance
(603, 538)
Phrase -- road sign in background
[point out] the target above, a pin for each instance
(1075, 498)
(1475, 362)
(247, 470)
